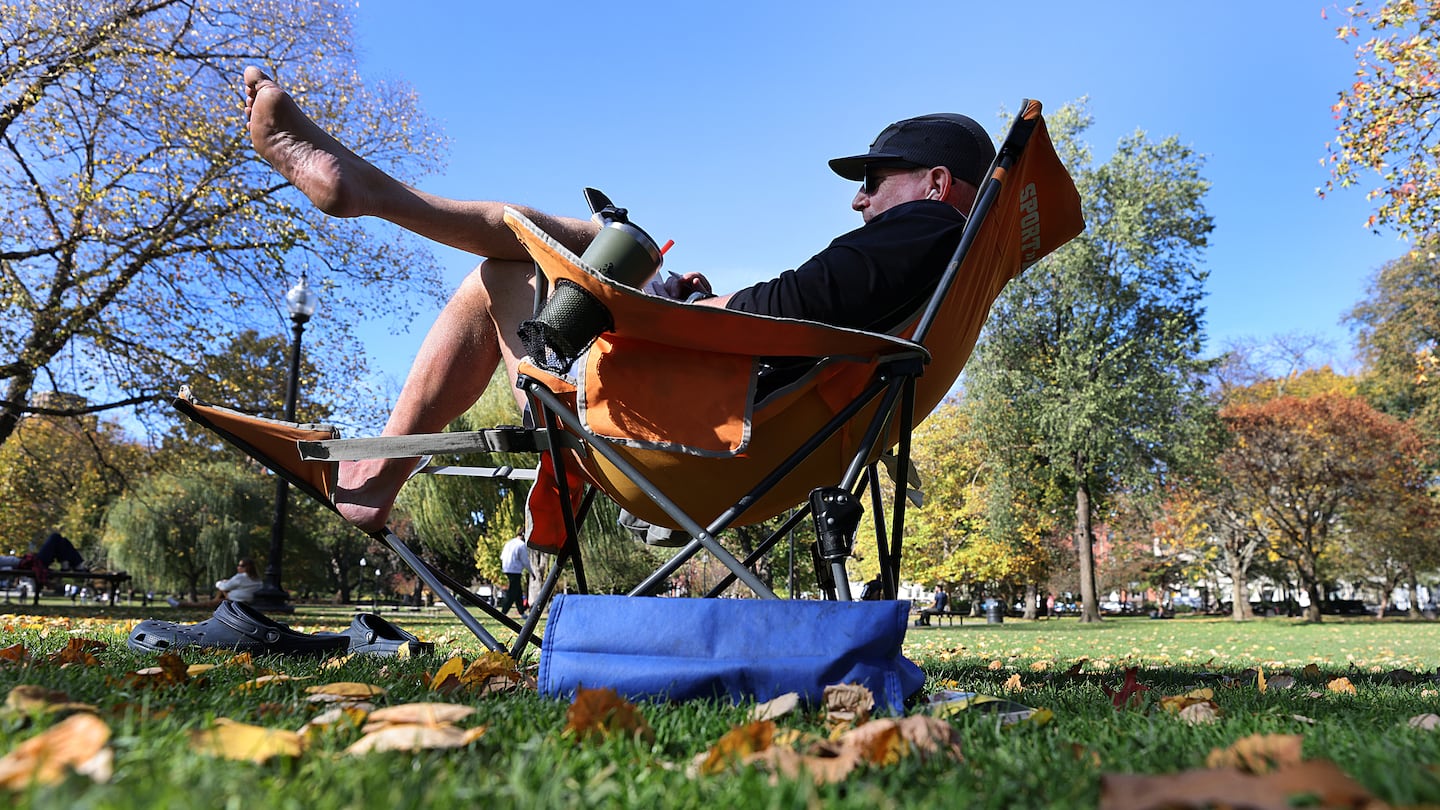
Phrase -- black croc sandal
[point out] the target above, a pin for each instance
(371, 634)
(235, 626)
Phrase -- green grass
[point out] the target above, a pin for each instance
(524, 761)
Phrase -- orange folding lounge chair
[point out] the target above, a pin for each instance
(731, 452)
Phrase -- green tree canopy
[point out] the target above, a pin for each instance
(1090, 362)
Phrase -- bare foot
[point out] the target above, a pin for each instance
(365, 491)
(336, 180)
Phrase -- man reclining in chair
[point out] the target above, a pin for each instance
(918, 179)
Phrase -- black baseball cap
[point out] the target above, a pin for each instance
(951, 140)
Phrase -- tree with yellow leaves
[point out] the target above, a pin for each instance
(139, 232)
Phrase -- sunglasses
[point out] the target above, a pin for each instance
(876, 174)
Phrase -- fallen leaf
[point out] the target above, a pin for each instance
(15, 654)
(777, 707)
(1342, 686)
(1130, 694)
(1260, 678)
(601, 713)
(847, 704)
(169, 670)
(1311, 672)
(736, 745)
(885, 741)
(344, 690)
(1013, 684)
(79, 651)
(415, 738)
(78, 743)
(28, 698)
(1317, 783)
(1200, 713)
(1425, 722)
(423, 714)
(264, 680)
(997, 664)
(1282, 682)
(1258, 753)
(242, 741)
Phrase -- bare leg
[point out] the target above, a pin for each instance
(475, 333)
(343, 184)
(477, 329)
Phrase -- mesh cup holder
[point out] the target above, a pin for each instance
(566, 326)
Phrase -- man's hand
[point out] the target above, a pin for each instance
(681, 288)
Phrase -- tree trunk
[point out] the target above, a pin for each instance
(1312, 587)
(1032, 599)
(1084, 545)
(1412, 590)
(1239, 599)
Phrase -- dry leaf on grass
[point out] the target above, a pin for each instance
(78, 743)
(169, 669)
(1131, 691)
(847, 704)
(1425, 722)
(1013, 684)
(265, 680)
(79, 651)
(778, 707)
(1258, 753)
(887, 740)
(420, 714)
(597, 714)
(242, 741)
(1198, 714)
(737, 745)
(343, 691)
(32, 698)
(1317, 783)
(15, 654)
(492, 672)
(1342, 686)
(415, 738)
(880, 743)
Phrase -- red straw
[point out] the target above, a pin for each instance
(668, 245)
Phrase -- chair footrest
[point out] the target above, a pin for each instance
(494, 440)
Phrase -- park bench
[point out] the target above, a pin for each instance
(114, 578)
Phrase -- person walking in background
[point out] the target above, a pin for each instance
(240, 588)
(514, 559)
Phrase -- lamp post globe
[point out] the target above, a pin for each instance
(302, 302)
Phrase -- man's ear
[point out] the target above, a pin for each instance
(940, 182)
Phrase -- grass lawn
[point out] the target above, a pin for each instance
(523, 758)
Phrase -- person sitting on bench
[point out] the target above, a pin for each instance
(240, 588)
(939, 606)
(56, 546)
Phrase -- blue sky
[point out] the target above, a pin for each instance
(712, 122)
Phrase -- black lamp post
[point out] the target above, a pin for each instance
(302, 302)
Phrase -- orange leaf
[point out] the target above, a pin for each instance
(1341, 685)
(600, 713)
(1013, 684)
(76, 743)
(1317, 783)
(737, 744)
(1258, 753)
(15, 653)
